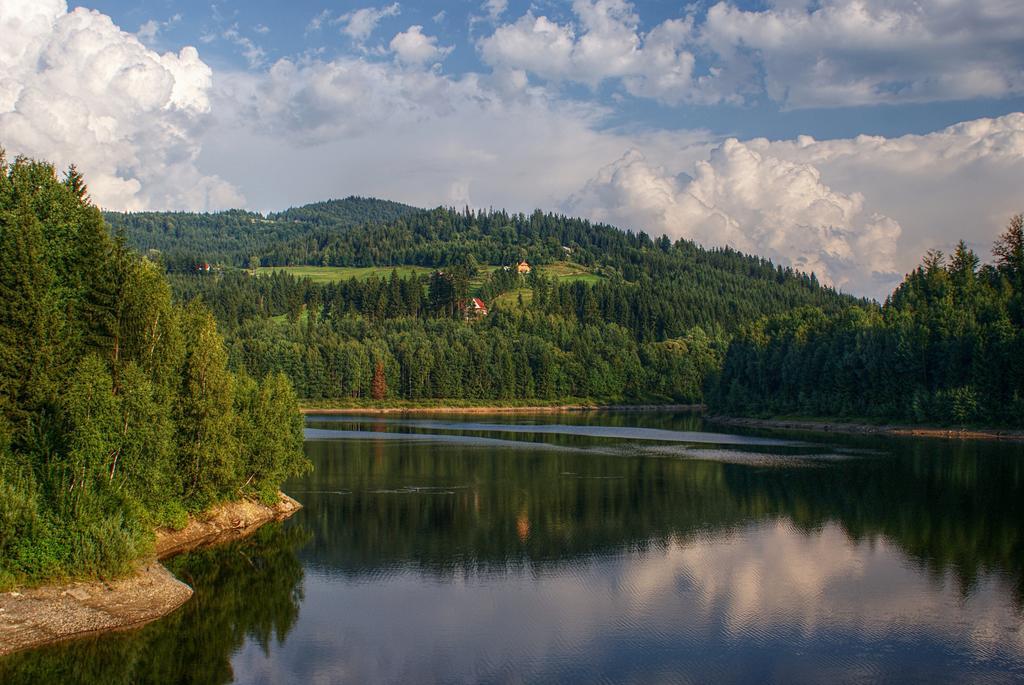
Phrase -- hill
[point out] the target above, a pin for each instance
(234, 236)
(363, 299)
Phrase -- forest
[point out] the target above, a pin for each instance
(650, 324)
(118, 410)
(655, 320)
(946, 347)
(135, 389)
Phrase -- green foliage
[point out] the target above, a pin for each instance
(626, 320)
(270, 433)
(117, 409)
(945, 348)
(185, 239)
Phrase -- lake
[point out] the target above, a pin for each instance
(600, 547)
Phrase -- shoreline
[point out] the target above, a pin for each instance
(501, 409)
(47, 614)
(854, 428)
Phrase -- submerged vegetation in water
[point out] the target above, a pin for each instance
(118, 412)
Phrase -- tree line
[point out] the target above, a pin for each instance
(945, 347)
(118, 410)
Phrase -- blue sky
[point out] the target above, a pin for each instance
(840, 136)
(282, 30)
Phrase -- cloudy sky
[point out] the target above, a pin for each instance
(844, 137)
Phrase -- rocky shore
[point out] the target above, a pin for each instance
(52, 613)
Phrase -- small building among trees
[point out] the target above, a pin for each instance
(523, 267)
(475, 308)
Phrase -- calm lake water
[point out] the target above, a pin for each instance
(622, 548)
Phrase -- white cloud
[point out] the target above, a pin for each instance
(317, 22)
(148, 30)
(360, 24)
(606, 44)
(395, 130)
(859, 212)
(150, 129)
(312, 102)
(961, 182)
(829, 53)
(253, 53)
(853, 52)
(752, 202)
(75, 88)
(495, 8)
(413, 47)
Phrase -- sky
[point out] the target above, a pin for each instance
(843, 137)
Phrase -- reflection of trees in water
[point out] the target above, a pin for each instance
(251, 588)
(950, 506)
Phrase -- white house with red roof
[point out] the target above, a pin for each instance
(475, 308)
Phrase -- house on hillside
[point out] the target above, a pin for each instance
(475, 308)
(203, 268)
(523, 267)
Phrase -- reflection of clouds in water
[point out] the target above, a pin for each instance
(772, 575)
(813, 602)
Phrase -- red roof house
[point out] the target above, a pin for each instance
(475, 308)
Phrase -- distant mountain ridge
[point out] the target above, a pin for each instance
(235, 235)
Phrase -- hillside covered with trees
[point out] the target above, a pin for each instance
(184, 239)
(649, 319)
(118, 411)
(637, 319)
(946, 347)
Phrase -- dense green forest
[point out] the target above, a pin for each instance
(650, 324)
(118, 411)
(185, 239)
(947, 346)
(654, 320)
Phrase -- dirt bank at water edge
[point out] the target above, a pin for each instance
(52, 613)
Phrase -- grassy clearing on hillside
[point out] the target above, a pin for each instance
(567, 272)
(510, 300)
(334, 274)
(563, 271)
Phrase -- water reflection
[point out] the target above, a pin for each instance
(569, 556)
(768, 603)
(247, 592)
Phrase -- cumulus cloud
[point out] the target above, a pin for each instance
(753, 202)
(312, 102)
(801, 54)
(859, 212)
(149, 130)
(605, 44)
(960, 182)
(392, 129)
(75, 88)
(413, 47)
(855, 52)
(360, 24)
